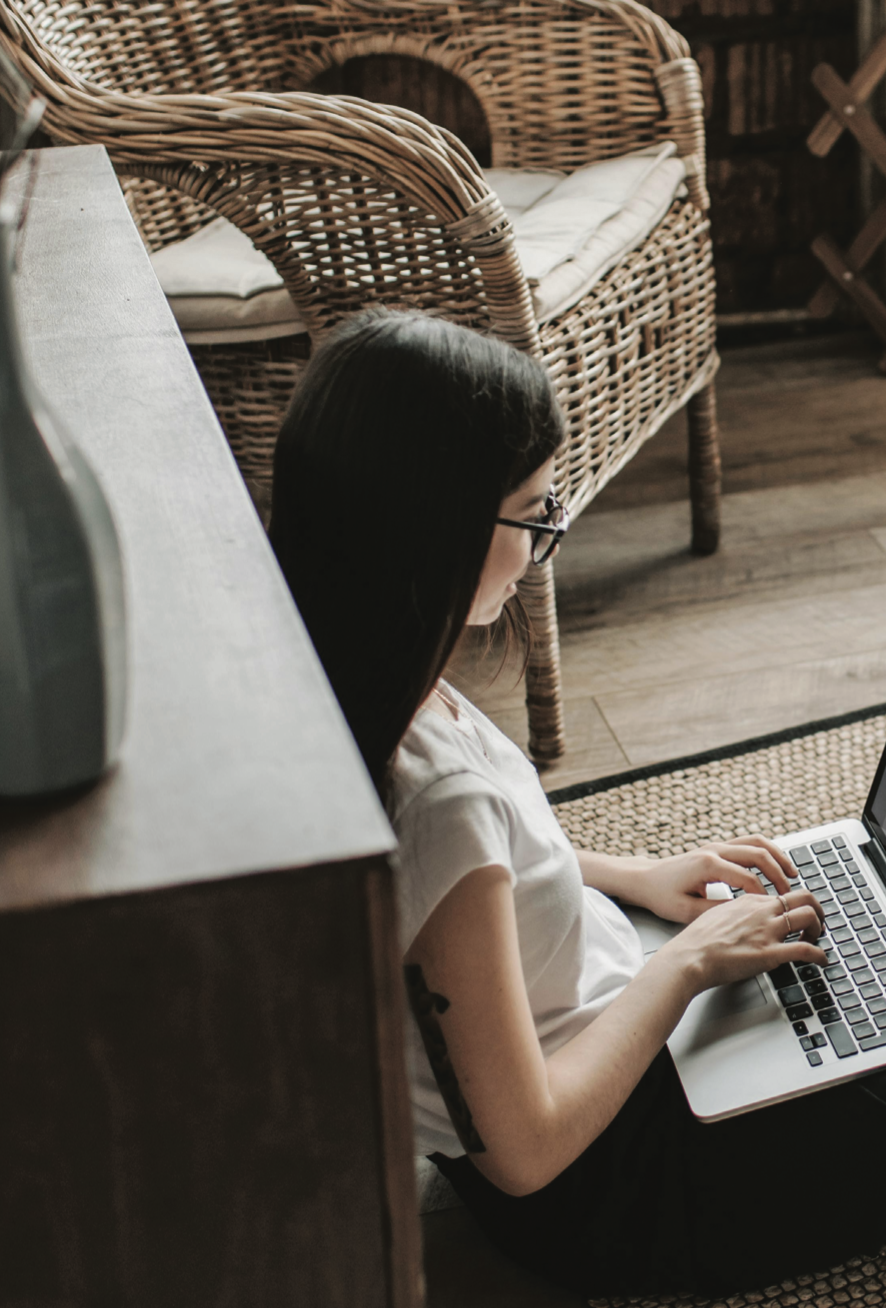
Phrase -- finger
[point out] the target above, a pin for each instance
(801, 898)
(774, 871)
(750, 855)
(778, 856)
(781, 858)
(797, 951)
(716, 868)
(738, 877)
(803, 919)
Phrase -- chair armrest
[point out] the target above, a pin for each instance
(680, 85)
(398, 146)
(245, 126)
(235, 152)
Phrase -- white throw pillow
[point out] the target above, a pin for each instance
(217, 260)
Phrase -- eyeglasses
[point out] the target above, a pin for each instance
(547, 531)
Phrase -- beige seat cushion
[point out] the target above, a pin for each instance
(223, 319)
(580, 228)
(222, 289)
(569, 230)
(520, 189)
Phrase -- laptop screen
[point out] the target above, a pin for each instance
(875, 807)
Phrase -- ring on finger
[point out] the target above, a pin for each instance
(785, 913)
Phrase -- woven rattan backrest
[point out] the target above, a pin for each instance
(562, 82)
(195, 46)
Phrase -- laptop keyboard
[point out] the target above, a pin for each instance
(848, 995)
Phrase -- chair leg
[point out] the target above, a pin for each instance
(544, 697)
(704, 470)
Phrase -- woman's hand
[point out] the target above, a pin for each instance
(675, 888)
(745, 936)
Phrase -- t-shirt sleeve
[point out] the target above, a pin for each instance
(456, 824)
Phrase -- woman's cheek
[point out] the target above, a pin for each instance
(524, 555)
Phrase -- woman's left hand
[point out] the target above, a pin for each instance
(675, 888)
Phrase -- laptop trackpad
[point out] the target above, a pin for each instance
(714, 1013)
(726, 1010)
(730, 1001)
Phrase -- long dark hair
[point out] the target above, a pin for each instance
(403, 437)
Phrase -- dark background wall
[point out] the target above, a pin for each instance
(769, 196)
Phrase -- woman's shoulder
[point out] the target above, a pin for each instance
(449, 814)
(440, 762)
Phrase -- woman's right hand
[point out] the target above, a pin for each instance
(739, 938)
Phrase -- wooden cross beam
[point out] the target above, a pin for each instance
(851, 113)
(847, 111)
(855, 287)
(827, 131)
(858, 256)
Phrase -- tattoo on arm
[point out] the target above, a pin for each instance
(425, 1006)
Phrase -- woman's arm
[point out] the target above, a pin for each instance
(675, 888)
(522, 1118)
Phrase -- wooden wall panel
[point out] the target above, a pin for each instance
(769, 195)
(189, 1099)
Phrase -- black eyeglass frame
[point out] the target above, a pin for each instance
(542, 529)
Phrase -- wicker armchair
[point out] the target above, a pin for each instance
(203, 109)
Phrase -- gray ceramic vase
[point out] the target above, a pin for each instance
(62, 617)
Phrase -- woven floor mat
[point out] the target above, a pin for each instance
(774, 785)
(860, 1282)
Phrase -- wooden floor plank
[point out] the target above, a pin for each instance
(657, 722)
(789, 412)
(594, 750)
(799, 567)
(786, 540)
(728, 638)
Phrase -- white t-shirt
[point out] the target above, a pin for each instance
(462, 797)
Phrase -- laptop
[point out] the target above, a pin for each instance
(792, 1031)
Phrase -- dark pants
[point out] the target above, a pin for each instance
(661, 1202)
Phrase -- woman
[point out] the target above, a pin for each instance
(412, 490)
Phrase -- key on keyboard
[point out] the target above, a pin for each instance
(841, 1041)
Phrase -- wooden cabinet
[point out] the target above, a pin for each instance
(202, 1088)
